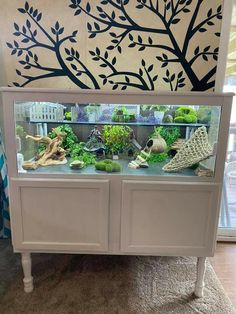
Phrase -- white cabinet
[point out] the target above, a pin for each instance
(60, 215)
(168, 218)
(146, 212)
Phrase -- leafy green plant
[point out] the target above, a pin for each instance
(157, 157)
(204, 114)
(121, 114)
(78, 153)
(87, 158)
(68, 115)
(116, 138)
(70, 138)
(20, 131)
(169, 134)
(77, 150)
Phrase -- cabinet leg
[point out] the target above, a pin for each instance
(26, 265)
(201, 268)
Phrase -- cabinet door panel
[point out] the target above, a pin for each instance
(168, 218)
(68, 215)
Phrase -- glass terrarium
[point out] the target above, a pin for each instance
(128, 139)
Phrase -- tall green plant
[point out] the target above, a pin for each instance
(116, 137)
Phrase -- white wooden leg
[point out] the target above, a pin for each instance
(26, 265)
(201, 268)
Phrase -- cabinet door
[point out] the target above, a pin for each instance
(60, 215)
(169, 218)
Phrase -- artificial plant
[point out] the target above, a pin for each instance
(185, 114)
(116, 137)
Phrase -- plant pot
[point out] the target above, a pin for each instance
(159, 115)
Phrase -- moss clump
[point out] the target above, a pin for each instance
(185, 114)
(190, 118)
(100, 166)
(179, 120)
(107, 161)
(116, 167)
(108, 166)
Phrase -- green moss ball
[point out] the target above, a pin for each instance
(107, 161)
(109, 168)
(100, 166)
(179, 120)
(184, 110)
(116, 167)
(190, 118)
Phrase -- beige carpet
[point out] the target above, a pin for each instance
(86, 284)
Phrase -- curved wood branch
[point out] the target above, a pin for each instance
(54, 154)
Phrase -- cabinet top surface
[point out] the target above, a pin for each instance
(115, 93)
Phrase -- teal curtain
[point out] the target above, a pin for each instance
(4, 200)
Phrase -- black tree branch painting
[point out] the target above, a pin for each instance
(125, 32)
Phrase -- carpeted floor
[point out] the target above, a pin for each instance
(91, 284)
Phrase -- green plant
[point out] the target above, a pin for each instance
(20, 131)
(78, 153)
(121, 110)
(121, 114)
(157, 157)
(77, 150)
(169, 134)
(68, 115)
(69, 140)
(116, 138)
(87, 158)
(204, 114)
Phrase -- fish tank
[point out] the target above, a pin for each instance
(120, 139)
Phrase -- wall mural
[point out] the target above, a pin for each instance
(117, 44)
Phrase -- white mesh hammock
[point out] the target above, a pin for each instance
(196, 149)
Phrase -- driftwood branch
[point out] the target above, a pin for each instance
(52, 155)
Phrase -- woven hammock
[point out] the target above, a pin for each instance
(196, 149)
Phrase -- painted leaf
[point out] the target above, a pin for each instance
(77, 12)
(88, 7)
(175, 21)
(142, 48)
(150, 68)
(22, 10)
